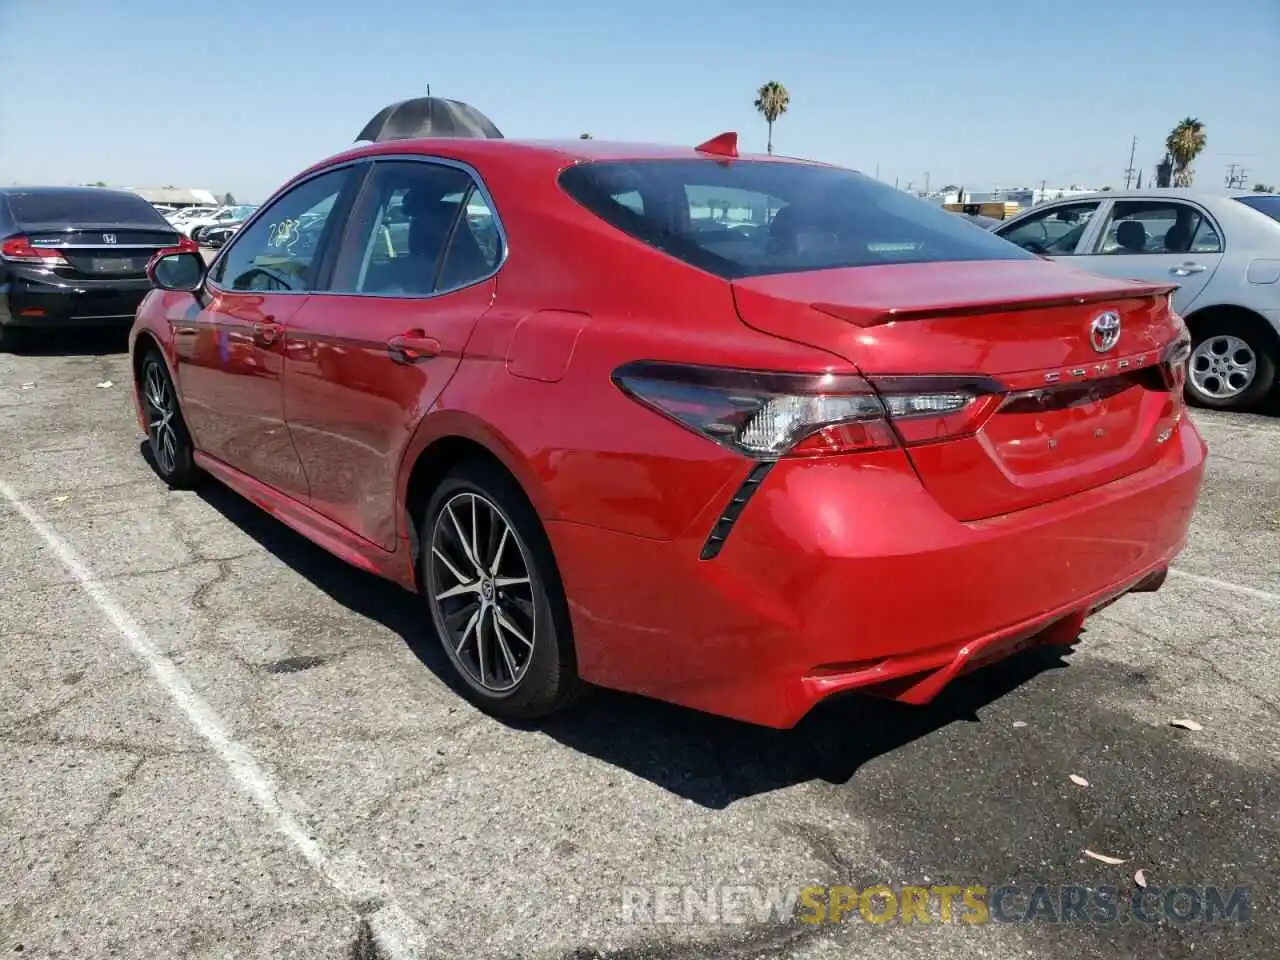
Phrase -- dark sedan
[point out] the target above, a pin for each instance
(217, 236)
(76, 257)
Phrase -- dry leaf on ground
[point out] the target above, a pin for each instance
(1103, 858)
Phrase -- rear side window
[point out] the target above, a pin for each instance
(1264, 203)
(750, 218)
(82, 207)
(1159, 227)
(419, 228)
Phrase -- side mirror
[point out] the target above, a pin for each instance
(176, 270)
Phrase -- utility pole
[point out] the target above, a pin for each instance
(1129, 170)
(1042, 196)
(877, 169)
(1236, 175)
(926, 183)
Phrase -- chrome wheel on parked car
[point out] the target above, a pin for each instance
(161, 410)
(1223, 366)
(172, 452)
(1232, 365)
(492, 586)
(482, 591)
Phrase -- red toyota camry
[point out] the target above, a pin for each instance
(735, 432)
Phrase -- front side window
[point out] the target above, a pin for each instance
(1156, 227)
(749, 218)
(419, 228)
(280, 250)
(1055, 232)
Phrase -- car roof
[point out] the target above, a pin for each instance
(533, 153)
(1158, 193)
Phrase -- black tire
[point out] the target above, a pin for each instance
(1264, 352)
(171, 452)
(10, 338)
(546, 681)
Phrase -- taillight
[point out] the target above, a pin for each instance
(187, 245)
(767, 415)
(1173, 363)
(20, 250)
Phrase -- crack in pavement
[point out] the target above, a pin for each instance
(64, 859)
(1168, 643)
(81, 694)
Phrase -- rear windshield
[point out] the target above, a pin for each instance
(82, 206)
(1264, 203)
(748, 218)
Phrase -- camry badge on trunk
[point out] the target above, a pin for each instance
(1105, 331)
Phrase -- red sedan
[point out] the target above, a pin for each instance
(735, 432)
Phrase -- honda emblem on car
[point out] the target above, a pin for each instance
(108, 238)
(1105, 332)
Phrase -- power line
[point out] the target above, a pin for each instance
(1236, 176)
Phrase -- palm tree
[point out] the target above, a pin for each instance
(1185, 142)
(772, 101)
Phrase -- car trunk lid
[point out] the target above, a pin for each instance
(1076, 411)
(101, 252)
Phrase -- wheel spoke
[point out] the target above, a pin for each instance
(449, 566)
(510, 627)
(497, 554)
(519, 603)
(480, 648)
(462, 539)
(475, 539)
(460, 590)
(503, 648)
(466, 632)
(504, 582)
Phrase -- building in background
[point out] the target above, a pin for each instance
(176, 196)
(1022, 196)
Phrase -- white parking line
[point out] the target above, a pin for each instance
(399, 936)
(1227, 585)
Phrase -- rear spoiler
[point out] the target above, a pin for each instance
(877, 316)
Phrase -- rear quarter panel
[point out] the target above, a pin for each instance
(584, 451)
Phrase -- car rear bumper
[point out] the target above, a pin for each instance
(52, 305)
(847, 575)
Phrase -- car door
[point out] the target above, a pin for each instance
(230, 348)
(369, 357)
(1160, 240)
(1054, 230)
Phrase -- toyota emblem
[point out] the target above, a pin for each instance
(108, 238)
(1105, 331)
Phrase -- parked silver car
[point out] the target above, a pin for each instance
(1222, 249)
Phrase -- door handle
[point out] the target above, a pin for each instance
(266, 331)
(413, 347)
(1186, 269)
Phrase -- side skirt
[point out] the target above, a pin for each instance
(392, 565)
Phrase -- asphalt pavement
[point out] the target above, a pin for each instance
(217, 741)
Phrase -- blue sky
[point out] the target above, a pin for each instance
(237, 95)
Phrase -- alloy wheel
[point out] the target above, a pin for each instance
(480, 586)
(162, 411)
(1222, 366)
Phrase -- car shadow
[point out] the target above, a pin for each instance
(709, 760)
(71, 343)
